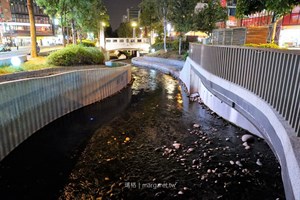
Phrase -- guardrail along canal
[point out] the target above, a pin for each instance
(147, 142)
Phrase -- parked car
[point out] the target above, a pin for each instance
(4, 48)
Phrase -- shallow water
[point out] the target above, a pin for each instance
(123, 148)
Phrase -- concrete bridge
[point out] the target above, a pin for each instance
(138, 44)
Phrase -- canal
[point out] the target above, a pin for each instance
(147, 142)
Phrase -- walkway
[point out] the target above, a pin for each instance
(172, 67)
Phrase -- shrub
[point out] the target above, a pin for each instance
(174, 45)
(87, 43)
(266, 45)
(76, 55)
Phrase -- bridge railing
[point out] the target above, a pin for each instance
(127, 40)
(273, 75)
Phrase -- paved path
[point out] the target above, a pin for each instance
(172, 67)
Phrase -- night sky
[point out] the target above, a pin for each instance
(117, 8)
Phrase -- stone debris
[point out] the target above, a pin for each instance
(258, 162)
(196, 125)
(247, 138)
(238, 163)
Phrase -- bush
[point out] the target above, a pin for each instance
(174, 45)
(87, 43)
(266, 45)
(76, 55)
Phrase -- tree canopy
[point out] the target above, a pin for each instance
(85, 14)
(279, 7)
(207, 17)
(182, 14)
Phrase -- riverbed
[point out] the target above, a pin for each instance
(150, 141)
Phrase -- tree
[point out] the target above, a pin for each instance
(207, 17)
(163, 11)
(148, 17)
(125, 30)
(278, 7)
(32, 28)
(160, 11)
(182, 14)
(83, 15)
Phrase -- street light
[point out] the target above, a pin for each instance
(134, 25)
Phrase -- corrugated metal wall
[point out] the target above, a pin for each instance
(28, 105)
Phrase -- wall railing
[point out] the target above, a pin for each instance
(273, 75)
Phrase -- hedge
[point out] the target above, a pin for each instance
(76, 55)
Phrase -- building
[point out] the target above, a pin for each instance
(15, 26)
(290, 29)
(133, 14)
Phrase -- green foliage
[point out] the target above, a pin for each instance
(267, 45)
(87, 43)
(182, 14)
(185, 55)
(279, 7)
(125, 30)
(76, 55)
(85, 14)
(170, 45)
(207, 18)
(148, 15)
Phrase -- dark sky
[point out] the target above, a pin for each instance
(117, 8)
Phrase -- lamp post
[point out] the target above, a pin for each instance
(134, 25)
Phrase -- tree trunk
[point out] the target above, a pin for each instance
(63, 31)
(165, 32)
(180, 42)
(73, 31)
(274, 29)
(32, 28)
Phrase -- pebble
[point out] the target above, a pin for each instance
(180, 192)
(238, 163)
(186, 188)
(258, 162)
(195, 162)
(247, 138)
(196, 125)
(245, 144)
(247, 147)
(194, 95)
(190, 150)
(231, 162)
(176, 145)
(227, 139)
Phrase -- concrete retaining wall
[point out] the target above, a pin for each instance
(247, 110)
(29, 104)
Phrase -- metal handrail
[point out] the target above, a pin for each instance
(271, 74)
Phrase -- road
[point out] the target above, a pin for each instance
(25, 51)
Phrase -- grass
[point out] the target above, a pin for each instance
(31, 65)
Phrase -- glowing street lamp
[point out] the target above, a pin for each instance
(134, 25)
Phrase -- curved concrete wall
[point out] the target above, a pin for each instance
(247, 110)
(29, 104)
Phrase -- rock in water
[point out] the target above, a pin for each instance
(196, 125)
(258, 162)
(194, 95)
(247, 138)
(176, 145)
